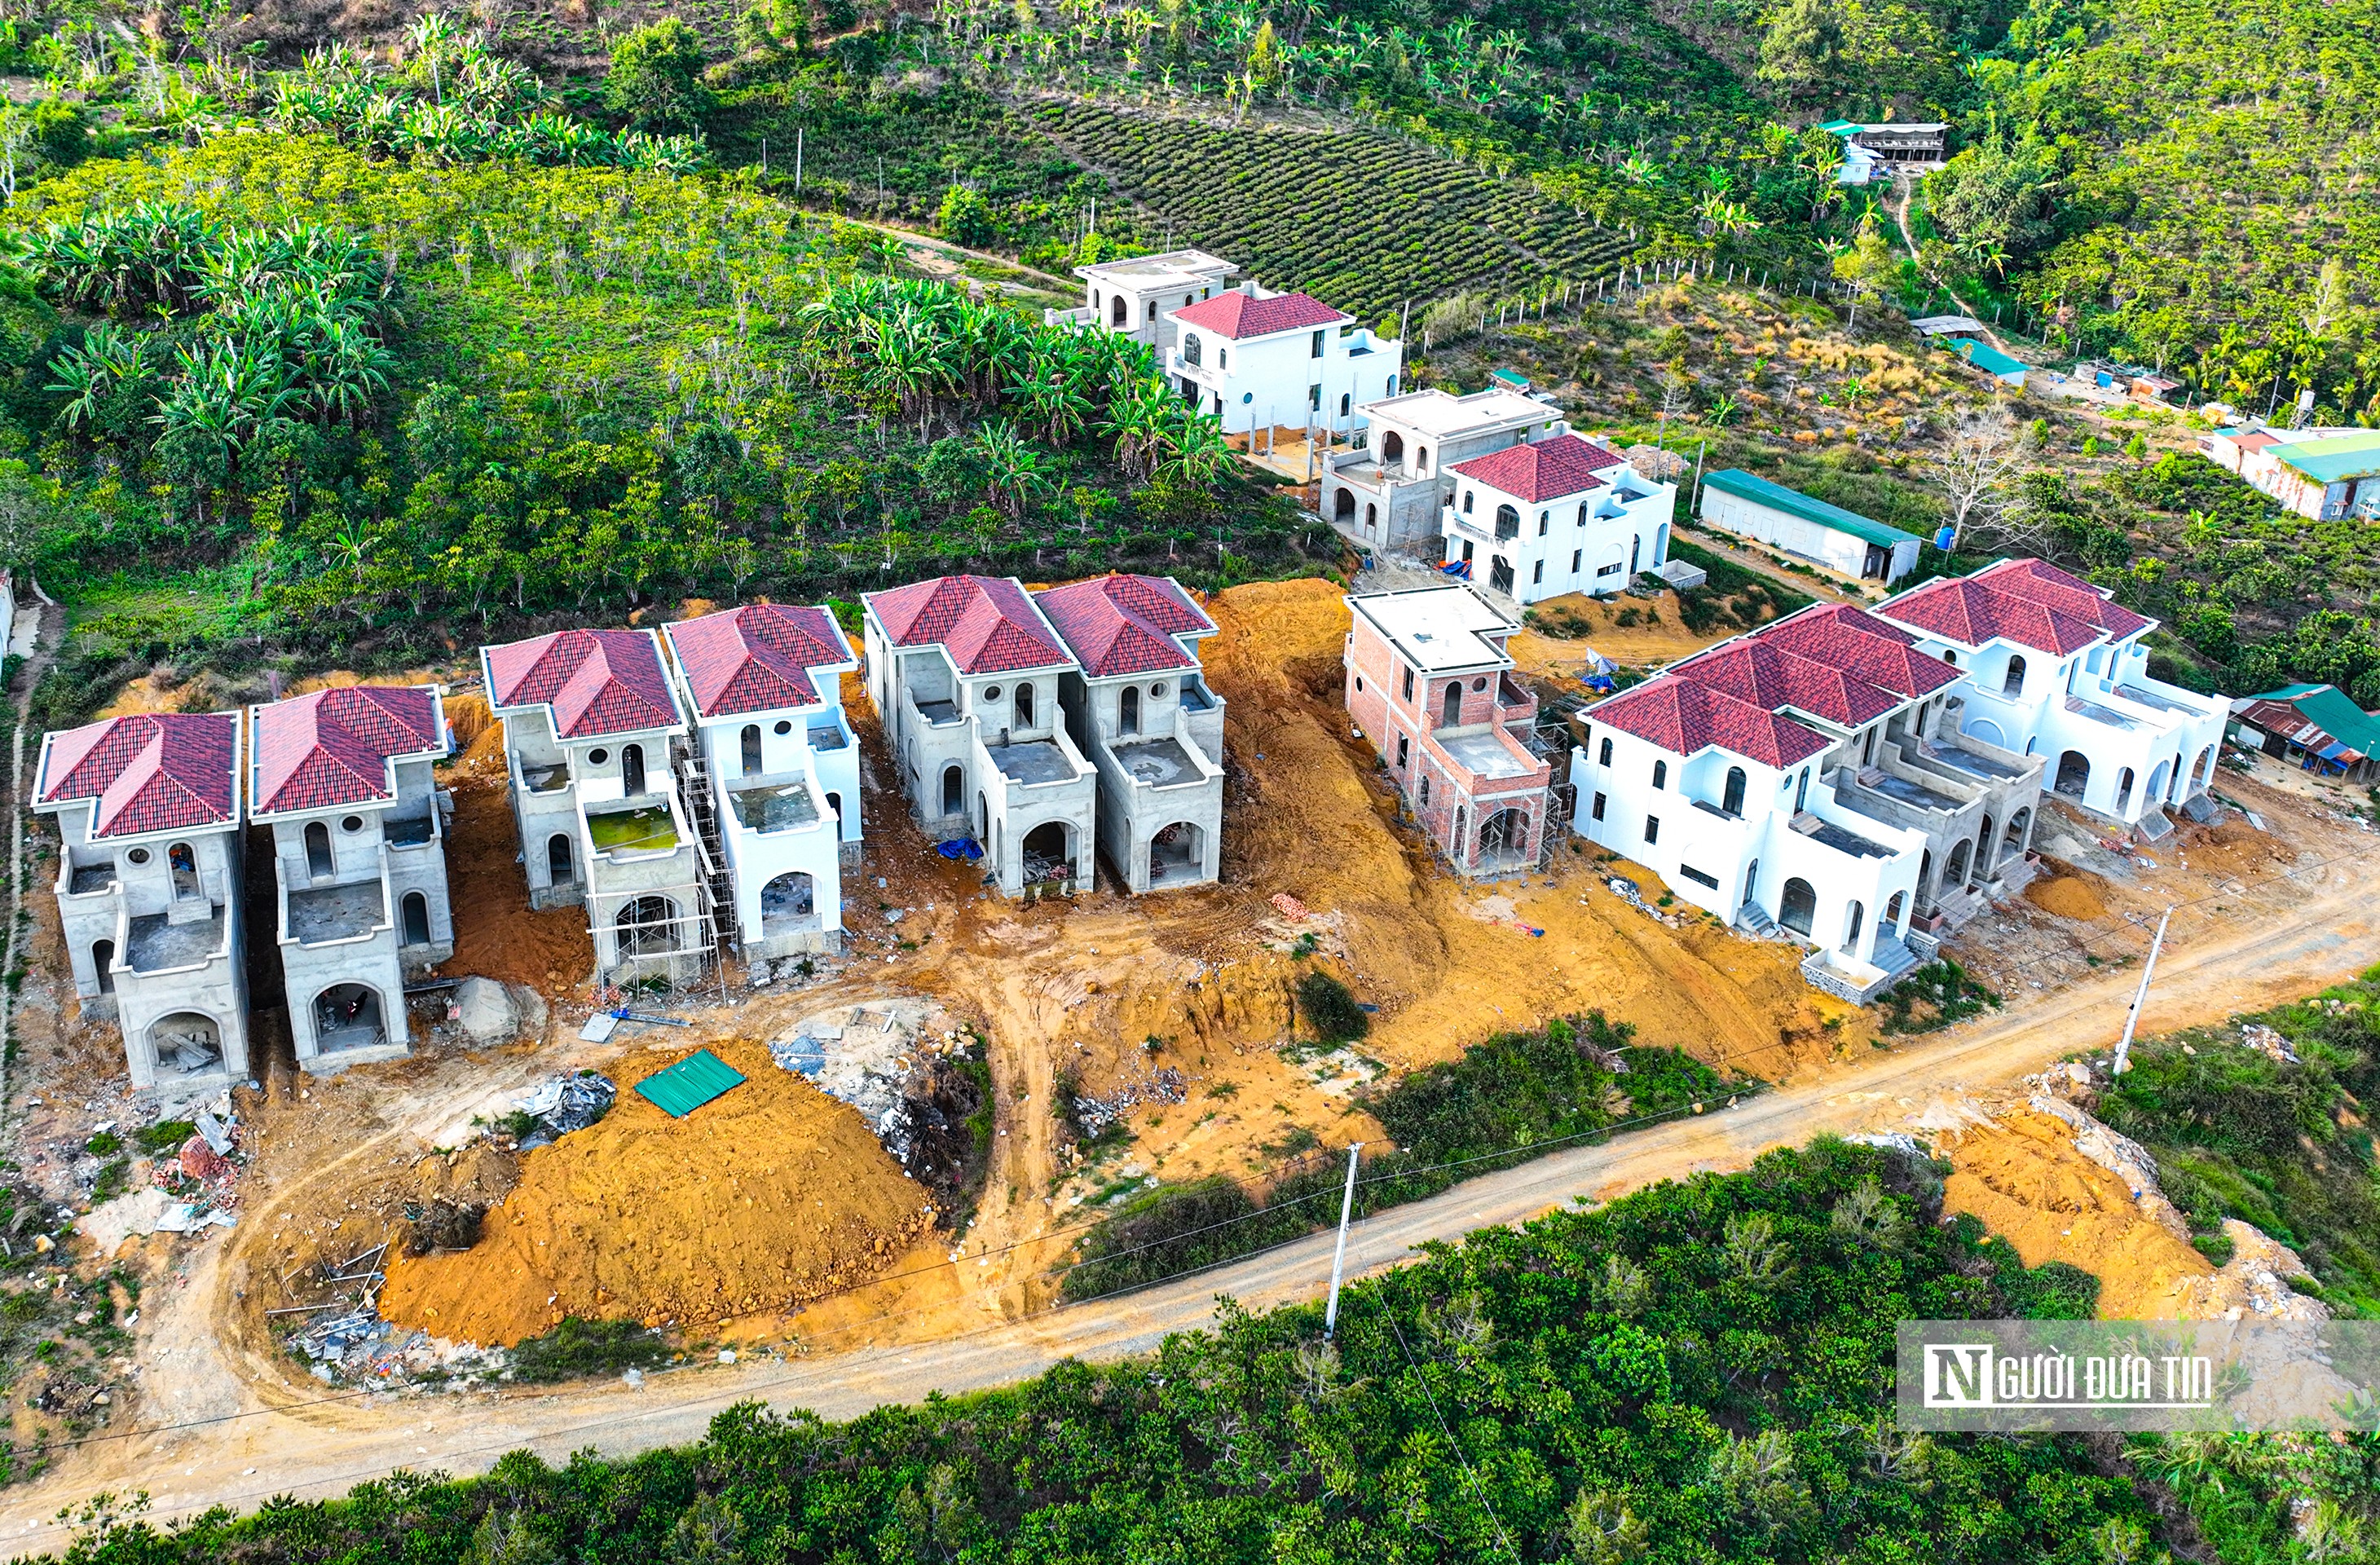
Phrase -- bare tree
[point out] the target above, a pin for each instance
(1677, 396)
(1979, 467)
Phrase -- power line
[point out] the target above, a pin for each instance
(1460, 1455)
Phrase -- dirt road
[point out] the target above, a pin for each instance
(319, 1450)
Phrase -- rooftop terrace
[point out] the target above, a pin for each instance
(1038, 761)
(777, 807)
(1483, 753)
(336, 913)
(151, 945)
(647, 830)
(1157, 762)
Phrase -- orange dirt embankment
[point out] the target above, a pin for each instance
(2023, 1177)
(1658, 636)
(772, 1195)
(2069, 895)
(497, 934)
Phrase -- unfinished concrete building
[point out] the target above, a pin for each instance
(591, 721)
(149, 886)
(1430, 684)
(343, 780)
(777, 765)
(1134, 703)
(964, 672)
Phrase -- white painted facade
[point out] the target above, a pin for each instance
(1391, 490)
(1130, 296)
(1593, 541)
(1308, 376)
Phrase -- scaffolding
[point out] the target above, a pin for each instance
(673, 931)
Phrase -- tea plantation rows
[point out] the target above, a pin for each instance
(1362, 221)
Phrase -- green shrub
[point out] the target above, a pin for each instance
(1329, 1008)
(580, 1347)
(165, 1135)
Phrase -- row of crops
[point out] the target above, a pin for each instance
(1361, 220)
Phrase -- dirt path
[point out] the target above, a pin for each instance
(37, 663)
(1814, 586)
(319, 1450)
(1906, 188)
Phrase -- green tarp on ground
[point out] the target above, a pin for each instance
(691, 1082)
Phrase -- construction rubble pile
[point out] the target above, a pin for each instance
(359, 1346)
(1096, 1114)
(560, 1105)
(875, 1057)
(190, 1189)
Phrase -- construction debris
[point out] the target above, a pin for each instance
(444, 1225)
(1096, 1114)
(566, 1103)
(2265, 1041)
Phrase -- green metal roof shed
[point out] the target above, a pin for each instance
(1800, 524)
(1991, 360)
(2327, 461)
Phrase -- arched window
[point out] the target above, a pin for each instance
(750, 757)
(417, 918)
(557, 859)
(954, 790)
(1453, 703)
(1346, 400)
(1544, 518)
(1121, 315)
(1802, 793)
(102, 958)
(834, 807)
(1852, 927)
(1024, 706)
(1660, 774)
(1635, 548)
(2013, 683)
(1604, 757)
(1508, 522)
(1732, 800)
(1393, 448)
(1467, 497)
(1190, 349)
(318, 864)
(1128, 708)
(632, 768)
(1421, 459)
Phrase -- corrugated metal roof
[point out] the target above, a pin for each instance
(2328, 709)
(1983, 355)
(688, 1085)
(1760, 491)
(2327, 461)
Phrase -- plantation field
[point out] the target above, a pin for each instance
(1362, 221)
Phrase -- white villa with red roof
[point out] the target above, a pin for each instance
(343, 778)
(1807, 776)
(779, 764)
(1430, 684)
(964, 672)
(1392, 490)
(149, 886)
(2054, 668)
(1556, 515)
(590, 720)
(1256, 359)
(1136, 705)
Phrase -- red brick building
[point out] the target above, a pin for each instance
(1430, 686)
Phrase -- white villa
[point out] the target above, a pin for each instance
(1136, 706)
(149, 886)
(343, 779)
(1392, 489)
(2054, 668)
(966, 674)
(589, 721)
(1806, 776)
(1257, 360)
(778, 765)
(1131, 297)
(1556, 515)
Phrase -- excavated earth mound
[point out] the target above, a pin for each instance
(768, 1196)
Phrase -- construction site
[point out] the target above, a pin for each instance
(902, 1154)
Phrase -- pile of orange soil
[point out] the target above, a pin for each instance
(2068, 896)
(497, 934)
(764, 1198)
(2028, 1182)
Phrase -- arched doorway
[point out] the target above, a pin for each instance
(748, 748)
(1954, 872)
(1892, 910)
(2073, 774)
(2013, 683)
(953, 788)
(1118, 316)
(1343, 506)
(1371, 518)
(632, 768)
(348, 1016)
(1983, 848)
(647, 927)
(788, 905)
(1049, 852)
(557, 859)
(416, 912)
(318, 864)
(102, 959)
(2018, 823)
(2123, 790)
(1732, 800)
(187, 1042)
(1797, 909)
(1452, 704)
(1750, 885)
(1177, 853)
(1128, 709)
(2201, 771)
(1504, 840)
(1393, 448)
(1024, 707)
(2157, 780)
(182, 860)
(1851, 921)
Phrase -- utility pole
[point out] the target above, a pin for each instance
(1338, 1255)
(2140, 998)
(797, 161)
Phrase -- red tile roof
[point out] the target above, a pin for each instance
(1120, 624)
(1835, 663)
(1546, 469)
(1684, 716)
(1236, 315)
(153, 771)
(987, 623)
(757, 658)
(599, 681)
(333, 748)
(2025, 601)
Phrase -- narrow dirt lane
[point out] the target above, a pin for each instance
(320, 1449)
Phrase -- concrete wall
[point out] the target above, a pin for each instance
(1132, 812)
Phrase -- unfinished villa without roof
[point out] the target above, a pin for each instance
(1131, 297)
(1430, 684)
(775, 768)
(589, 720)
(1136, 705)
(343, 778)
(149, 886)
(1392, 490)
(2054, 668)
(964, 672)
